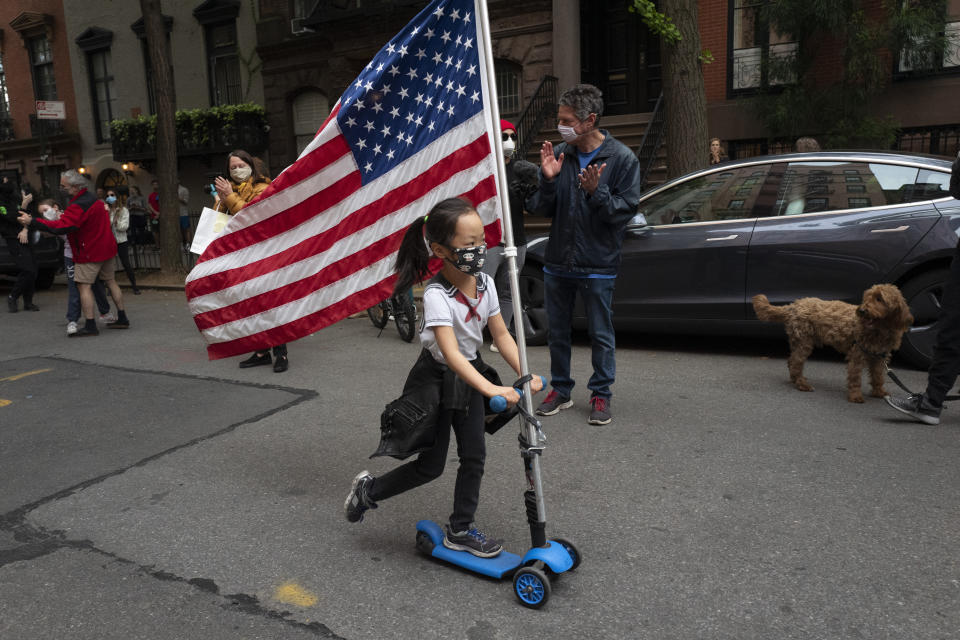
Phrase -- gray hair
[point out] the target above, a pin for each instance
(75, 179)
(584, 99)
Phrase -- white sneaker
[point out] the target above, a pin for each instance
(493, 347)
(71, 328)
(108, 317)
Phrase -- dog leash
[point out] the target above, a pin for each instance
(900, 384)
(893, 376)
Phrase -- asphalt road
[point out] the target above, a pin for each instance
(151, 493)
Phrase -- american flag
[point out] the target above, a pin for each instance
(320, 242)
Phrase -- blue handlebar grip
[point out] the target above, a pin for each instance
(498, 403)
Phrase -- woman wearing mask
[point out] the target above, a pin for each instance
(245, 184)
(120, 222)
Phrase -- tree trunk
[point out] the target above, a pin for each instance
(162, 68)
(683, 92)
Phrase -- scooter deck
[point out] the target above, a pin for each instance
(496, 567)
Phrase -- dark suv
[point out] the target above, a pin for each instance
(827, 225)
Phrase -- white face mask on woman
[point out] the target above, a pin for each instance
(240, 174)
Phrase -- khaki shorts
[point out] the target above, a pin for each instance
(88, 272)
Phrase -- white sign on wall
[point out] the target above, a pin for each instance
(51, 110)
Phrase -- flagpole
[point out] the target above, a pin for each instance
(510, 250)
(537, 529)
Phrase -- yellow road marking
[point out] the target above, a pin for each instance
(4, 403)
(24, 375)
(292, 593)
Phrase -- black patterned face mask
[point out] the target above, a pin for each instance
(469, 259)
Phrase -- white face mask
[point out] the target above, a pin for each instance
(240, 174)
(509, 146)
(569, 134)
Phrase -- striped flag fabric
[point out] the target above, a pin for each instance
(319, 244)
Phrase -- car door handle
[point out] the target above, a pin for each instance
(732, 236)
(894, 230)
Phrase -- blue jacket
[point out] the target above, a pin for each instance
(586, 232)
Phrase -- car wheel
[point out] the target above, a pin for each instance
(534, 312)
(924, 294)
(45, 278)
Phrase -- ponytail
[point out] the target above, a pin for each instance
(412, 258)
(440, 226)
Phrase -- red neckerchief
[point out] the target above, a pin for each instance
(472, 313)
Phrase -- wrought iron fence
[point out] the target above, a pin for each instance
(652, 139)
(145, 247)
(543, 102)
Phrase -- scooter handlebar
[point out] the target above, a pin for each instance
(499, 404)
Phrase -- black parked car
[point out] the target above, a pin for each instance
(827, 225)
(48, 253)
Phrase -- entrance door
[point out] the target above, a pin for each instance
(620, 56)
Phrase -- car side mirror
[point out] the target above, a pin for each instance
(637, 223)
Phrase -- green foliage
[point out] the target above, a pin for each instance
(837, 111)
(195, 127)
(658, 23)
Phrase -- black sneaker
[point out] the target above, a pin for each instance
(83, 332)
(472, 541)
(256, 360)
(119, 324)
(358, 500)
(12, 304)
(600, 414)
(917, 407)
(553, 403)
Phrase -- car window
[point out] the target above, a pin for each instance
(730, 195)
(931, 185)
(812, 187)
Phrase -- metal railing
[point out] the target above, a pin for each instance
(543, 102)
(145, 247)
(652, 139)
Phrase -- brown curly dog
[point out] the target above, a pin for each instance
(866, 334)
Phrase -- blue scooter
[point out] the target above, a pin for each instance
(531, 572)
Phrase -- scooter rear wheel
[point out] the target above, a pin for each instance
(532, 587)
(424, 543)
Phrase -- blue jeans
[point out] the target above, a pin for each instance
(597, 295)
(73, 294)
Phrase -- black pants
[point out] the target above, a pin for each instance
(471, 449)
(26, 264)
(124, 255)
(946, 352)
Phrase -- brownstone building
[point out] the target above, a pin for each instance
(35, 66)
(312, 50)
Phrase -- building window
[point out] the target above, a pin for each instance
(41, 64)
(760, 56)
(4, 97)
(101, 92)
(223, 63)
(950, 59)
(310, 109)
(508, 87)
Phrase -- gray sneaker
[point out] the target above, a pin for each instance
(917, 407)
(358, 500)
(600, 414)
(553, 403)
(472, 541)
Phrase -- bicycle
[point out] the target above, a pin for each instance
(403, 312)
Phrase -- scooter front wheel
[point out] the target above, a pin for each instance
(532, 587)
(570, 549)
